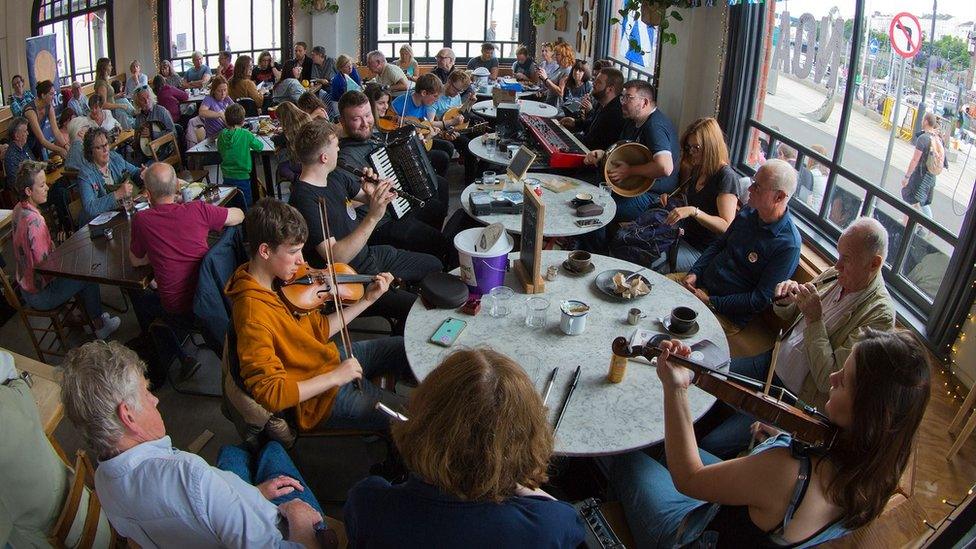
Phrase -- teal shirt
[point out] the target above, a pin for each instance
(235, 146)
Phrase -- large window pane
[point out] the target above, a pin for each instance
(82, 31)
(251, 26)
(626, 34)
(845, 203)
(807, 69)
(422, 24)
(926, 262)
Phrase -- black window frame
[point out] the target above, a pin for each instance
(369, 37)
(65, 11)
(181, 63)
(937, 320)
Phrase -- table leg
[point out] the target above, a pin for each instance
(268, 176)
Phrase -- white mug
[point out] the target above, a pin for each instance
(573, 322)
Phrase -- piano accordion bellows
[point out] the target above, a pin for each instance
(405, 162)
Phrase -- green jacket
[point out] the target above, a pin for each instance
(235, 146)
(827, 352)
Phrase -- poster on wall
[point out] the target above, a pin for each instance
(42, 62)
(634, 34)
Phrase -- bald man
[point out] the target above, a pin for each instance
(824, 317)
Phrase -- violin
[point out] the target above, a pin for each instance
(391, 121)
(804, 423)
(311, 289)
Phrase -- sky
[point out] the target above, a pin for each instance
(965, 9)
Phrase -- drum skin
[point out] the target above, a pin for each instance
(632, 154)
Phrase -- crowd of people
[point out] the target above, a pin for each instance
(464, 472)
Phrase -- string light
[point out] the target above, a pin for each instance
(716, 99)
(154, 7)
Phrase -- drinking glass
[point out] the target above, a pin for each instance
(500, 301)
(536, 311)
(488, 178)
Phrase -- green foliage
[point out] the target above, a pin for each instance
(541, 11)
(319, 5)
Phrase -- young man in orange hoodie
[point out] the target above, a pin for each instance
(288, 361)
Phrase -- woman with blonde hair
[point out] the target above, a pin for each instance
(407, 63)
(477, 444)
(346, 78)
(554, 83)
(709, 185)
(292, 119)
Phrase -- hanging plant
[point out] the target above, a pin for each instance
(541, 11)
(656, 13)
(312, 6)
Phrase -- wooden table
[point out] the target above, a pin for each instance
(209, 146)
(46, 389)
(101, 260)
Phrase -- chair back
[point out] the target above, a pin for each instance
(167, 147)
(81, 522)
(250, 107)
(9, 291)
(210, 305)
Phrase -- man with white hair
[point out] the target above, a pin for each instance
(388, 75)
(152, 121)
(445, 64)
(197, 76)
(737, 274)
(76, 130)
(159, 496)
(78, 102)
(824, 317)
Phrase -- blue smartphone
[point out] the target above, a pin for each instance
(448, 332)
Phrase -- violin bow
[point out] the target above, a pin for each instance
(336, 300)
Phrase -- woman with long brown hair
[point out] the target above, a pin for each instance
(709, 186)
(782, 493)
(477, 445)
(241, 85)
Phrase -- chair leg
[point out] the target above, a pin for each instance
(963, 435)
(967, 405)
(33, 336)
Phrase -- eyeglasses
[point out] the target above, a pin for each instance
(627, 98)
(692, 148)
(141, 88)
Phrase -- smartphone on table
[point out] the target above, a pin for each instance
(448, 332)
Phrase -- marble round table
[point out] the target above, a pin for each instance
(560, 217)
(603, 418)
(493, 156)
(535, 108)
(519, 95)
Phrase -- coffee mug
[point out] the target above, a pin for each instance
(634, 316)
(682, 319)
(573, 319)
(579, 260)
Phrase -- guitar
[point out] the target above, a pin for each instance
(451, 134)
(463, 109)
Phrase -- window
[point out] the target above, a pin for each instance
(244, 27)
(834, 99)
(631, 44)
(429, 25)
(83, 30)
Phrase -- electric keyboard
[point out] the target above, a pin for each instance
(405, 163)
(558, 143)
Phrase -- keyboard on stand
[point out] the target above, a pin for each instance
(558, 143)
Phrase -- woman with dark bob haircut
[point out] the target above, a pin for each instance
(477, 445)
(782, 493)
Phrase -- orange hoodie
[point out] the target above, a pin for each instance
(277, 350)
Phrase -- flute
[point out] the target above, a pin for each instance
(819, 285)
(415, 201)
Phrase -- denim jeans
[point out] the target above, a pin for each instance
(167, 336)
(355, 409)
(243, 185)
(270, 462)
(60, 290)
(732, 436)
(653, 507)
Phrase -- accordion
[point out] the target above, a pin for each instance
(403, 160)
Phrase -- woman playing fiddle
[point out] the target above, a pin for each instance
(780, 495)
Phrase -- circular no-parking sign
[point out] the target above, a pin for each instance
(905, 33)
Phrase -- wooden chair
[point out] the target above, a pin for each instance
(167, 143)
(56, 327)
(81, 522)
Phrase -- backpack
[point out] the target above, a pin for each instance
(935, 161)
(646, 239)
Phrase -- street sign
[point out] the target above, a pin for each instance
(873, 46)
(905, 33)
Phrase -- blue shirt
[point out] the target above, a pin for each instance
(159, 496)
(339, 83)
(11, 161)
(79, 106)
(740, 269)
(95, 198)
(405, 106)
(444, 103)
(192, 75)
(417, 514)
(658, 134)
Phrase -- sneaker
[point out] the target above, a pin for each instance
(188, 366)
(109, 325)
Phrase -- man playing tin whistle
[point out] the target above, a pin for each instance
(824, 318)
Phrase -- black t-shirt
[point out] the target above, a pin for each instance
(443, 74)
(657, 133)
(342, 218)
(603, 130)
(306, 68)
(706, 200)
(527, 68)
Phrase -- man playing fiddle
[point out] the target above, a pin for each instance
(825, 318)
(317, 148)
(291, 362)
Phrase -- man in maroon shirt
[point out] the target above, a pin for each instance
(172, 237)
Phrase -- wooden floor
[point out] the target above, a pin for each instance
(936, 479)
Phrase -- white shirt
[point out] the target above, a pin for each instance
(792, 366)
(163, 497)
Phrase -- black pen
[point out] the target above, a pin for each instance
(569, 396)
(552, 379)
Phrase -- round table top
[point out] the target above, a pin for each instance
(560, 217)
(519, 95)
(493, 156)
(535, 108)
(603, 418)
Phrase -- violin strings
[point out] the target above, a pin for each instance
(336, 300)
